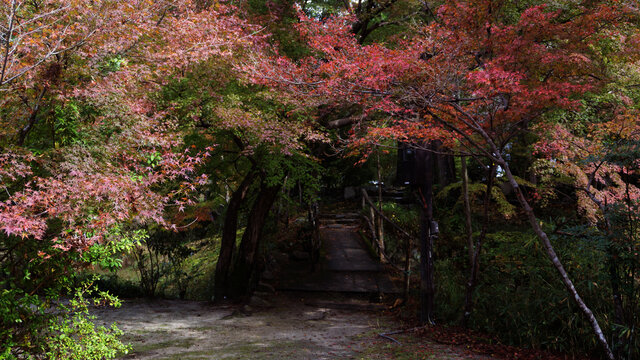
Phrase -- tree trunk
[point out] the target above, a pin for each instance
(380, 220)
(244, 269)
(424, 174)
(407, 269)
(443, 164)
(551, 253)
(496, 156)
(467, 207)
(477, 247)
(470, 245)
(451, 165)
(33, 118)
(228, 243)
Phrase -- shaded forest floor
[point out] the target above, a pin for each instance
(293, 327)
(310, 319)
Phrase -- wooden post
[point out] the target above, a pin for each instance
(374, 230)
(407, 269)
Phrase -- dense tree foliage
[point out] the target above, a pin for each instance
(477, 80)
(125, 121)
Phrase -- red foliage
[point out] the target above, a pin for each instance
(466, 73)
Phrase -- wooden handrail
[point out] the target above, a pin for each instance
(396, 226)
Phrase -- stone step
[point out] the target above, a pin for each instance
(365, 282)
(339, 222)
(346, 305)
(339, 216)
(353, 226)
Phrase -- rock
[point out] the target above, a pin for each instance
(315, 315)
(259, 302)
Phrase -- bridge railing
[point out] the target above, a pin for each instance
(378, 243)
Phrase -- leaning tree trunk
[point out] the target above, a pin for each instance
(228, 243)
(244, 269)
(551, 253)
(496, 156)
(612, 254)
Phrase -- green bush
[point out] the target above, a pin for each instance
(36, 320)
(71, 334)
(519, 297)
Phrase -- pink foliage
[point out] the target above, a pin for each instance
(141, 170)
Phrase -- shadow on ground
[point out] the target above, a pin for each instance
(171, 329)
(293, 328)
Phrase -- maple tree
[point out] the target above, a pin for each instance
(469, 79)
(85, 151)
(114, 113)
(137, 39)
(599, 159)
(262, 148)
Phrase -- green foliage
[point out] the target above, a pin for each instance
(66, 125)
(73, 335)
(149, 264)
(173, 250)
(340, 172)
(450, 288)
(34, 316)
(297, 169)
(517, 284)
(29, 282)
(45, 326)
(476, 193)
(111, 64)
(288, 42)
(108, 255)
(62, 127)
(622, 244)
(162, 261)
(624, 153)
(407, 217)
(187, 265)
(321, 9)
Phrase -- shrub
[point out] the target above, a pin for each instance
(71, 334)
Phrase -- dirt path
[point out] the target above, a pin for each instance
(316, 324)
(171, 329)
